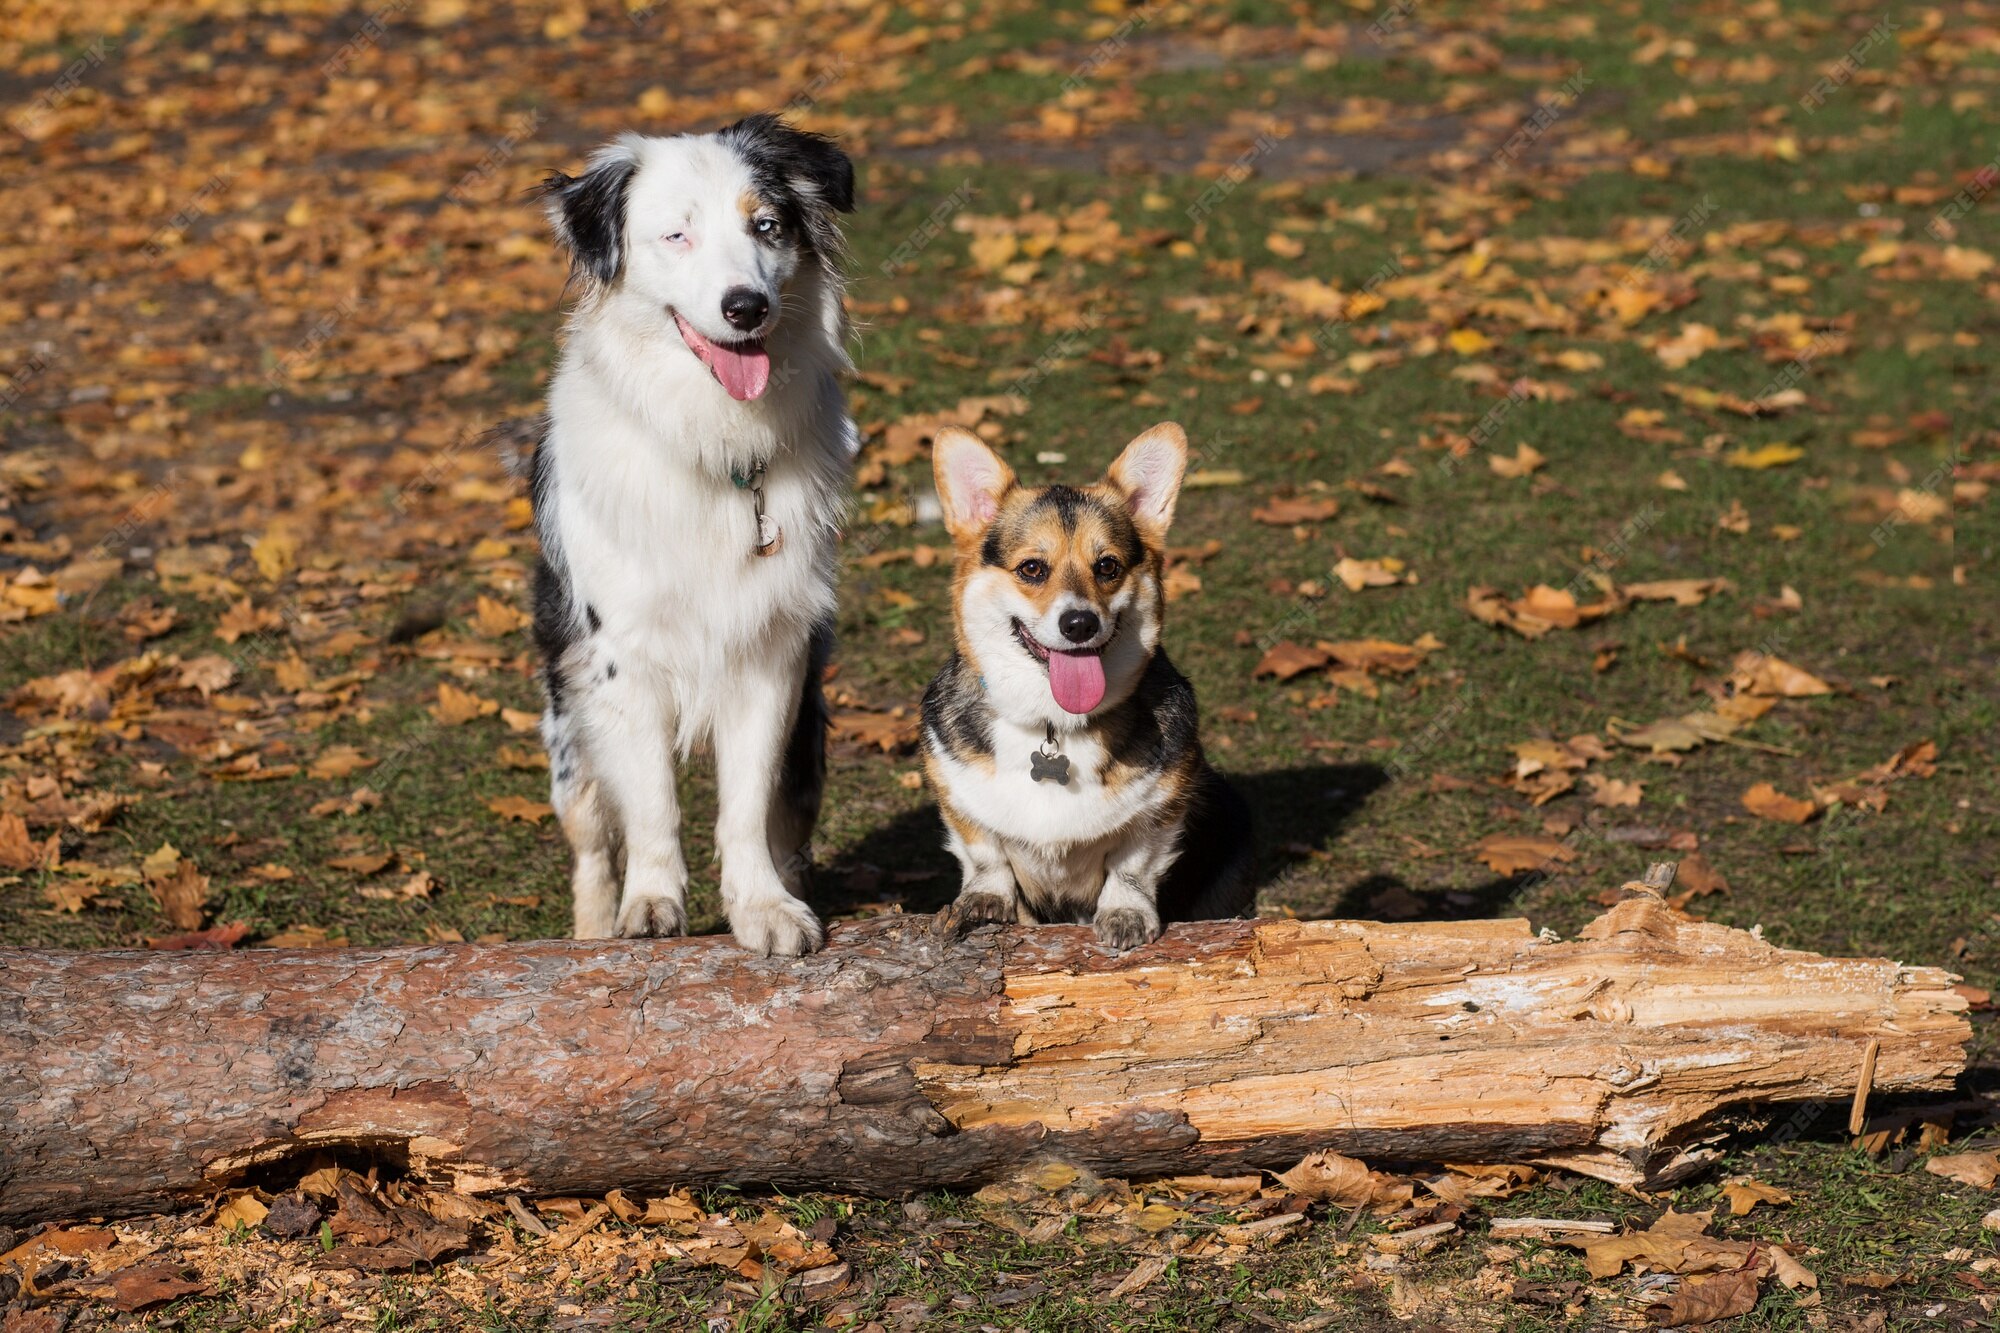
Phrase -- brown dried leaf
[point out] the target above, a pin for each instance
(180, 889)
(1978, 1169)
(1759, 673)
(1285, 513)
(1331, 1178)
(1767, 802)
(455, 707)
(145, 1285)
(1286, 659)
(891, 733)
(1703, 1300)
(520, 808)
(1745, 1194)
(1522, 853)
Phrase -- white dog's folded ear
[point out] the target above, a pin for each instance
(1148, 474)
(971, 479)
(588, 211)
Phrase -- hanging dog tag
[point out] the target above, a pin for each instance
(1049, 768)
(770, 537)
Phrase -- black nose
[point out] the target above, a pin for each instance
(744, 307)
(1079, 626)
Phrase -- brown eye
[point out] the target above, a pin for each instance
(1107, 567)
(1033, 571)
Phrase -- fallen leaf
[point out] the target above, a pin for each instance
(145, 1285)
(1769, 456)
(1681, 592)
(1359, 574)
(1380, 654)
(338, 761)
(1745, 1194)
(1703, 1300)
(892, 732)
(1329, 1177)
(66, 1241)
(245, 1210)
(1526, 460)
(18, 851)
(1286, 513)
(1760, 673)
(520, 809)
(1614, 792)
(1767, 802)
(455, 707)
(1520, 854)
(225, 936)
(1978, 1169)
(1286, 659)
(179, 888)
(495, 620)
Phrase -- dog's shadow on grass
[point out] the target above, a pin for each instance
(1296, 812)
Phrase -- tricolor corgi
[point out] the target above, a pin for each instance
(1060, 741)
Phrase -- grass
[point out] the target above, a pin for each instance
(1342, 833)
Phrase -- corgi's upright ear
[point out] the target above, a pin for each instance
(1148, 475)
(971, 479)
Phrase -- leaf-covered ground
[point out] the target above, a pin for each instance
(1596, 423)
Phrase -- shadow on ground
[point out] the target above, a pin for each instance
(1298, 812)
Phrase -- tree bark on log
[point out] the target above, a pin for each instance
(897, 1061)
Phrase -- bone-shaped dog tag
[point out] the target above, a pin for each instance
(1049, 768)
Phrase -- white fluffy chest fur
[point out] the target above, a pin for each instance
(658, 540)
(1056, 835)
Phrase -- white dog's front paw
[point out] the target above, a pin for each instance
(777, 924)
(651, 916)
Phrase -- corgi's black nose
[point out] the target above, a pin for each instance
(1079, 626)
(744, 307)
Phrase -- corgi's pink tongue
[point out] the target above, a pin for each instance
(743, 371)
(1077, 680)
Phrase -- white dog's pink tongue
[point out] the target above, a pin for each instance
(1077, 680)
(743, 372)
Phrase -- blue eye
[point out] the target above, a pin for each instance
(767, 226)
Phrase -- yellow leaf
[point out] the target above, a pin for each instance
(493, 619)
(520, 723)
(1744, 1194)
(1770, 455)
(520, 808)
(1767, 802)
(274, 553)
(1468, 342)
(245, 1210)
(1526, 460)
(456, 707)
(994, 249)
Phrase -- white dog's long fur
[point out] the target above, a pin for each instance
(659, 625)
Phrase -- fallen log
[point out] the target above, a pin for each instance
(898, 1061)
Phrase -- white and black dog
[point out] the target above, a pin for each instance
(688, 496)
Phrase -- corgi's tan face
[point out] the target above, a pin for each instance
(1058, 590)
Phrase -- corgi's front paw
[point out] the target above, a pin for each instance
(969, 911)
(1122, 928)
